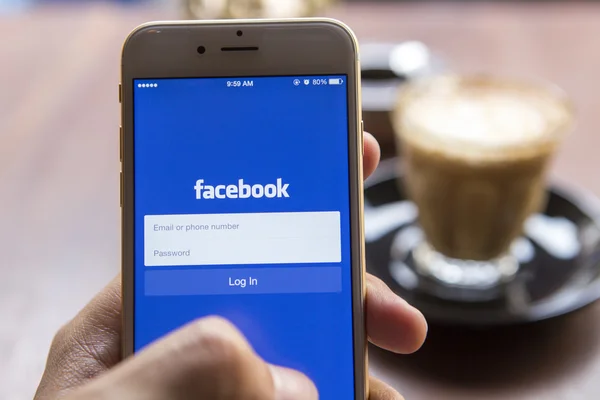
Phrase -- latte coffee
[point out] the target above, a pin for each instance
(475, 152)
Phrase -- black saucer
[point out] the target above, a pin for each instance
(559, 258)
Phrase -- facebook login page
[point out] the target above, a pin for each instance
(242, 210)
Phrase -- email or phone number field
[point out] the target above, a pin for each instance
(238, 239)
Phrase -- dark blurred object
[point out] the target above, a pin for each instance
(385, 67)
(559, 256)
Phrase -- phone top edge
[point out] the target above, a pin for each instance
(225, 22)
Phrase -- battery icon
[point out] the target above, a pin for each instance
(335, 81)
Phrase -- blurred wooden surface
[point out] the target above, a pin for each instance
(59, 168)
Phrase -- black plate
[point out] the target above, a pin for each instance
(559, 258)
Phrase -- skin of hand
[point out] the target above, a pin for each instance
(208, 358)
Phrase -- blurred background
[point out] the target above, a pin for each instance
(59, 167)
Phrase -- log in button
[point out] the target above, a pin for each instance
(225, 281)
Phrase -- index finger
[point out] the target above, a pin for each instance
(392, 323)
(371, 156)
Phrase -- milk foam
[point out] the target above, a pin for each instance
(480, 117)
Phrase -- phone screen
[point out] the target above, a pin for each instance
(242, 209)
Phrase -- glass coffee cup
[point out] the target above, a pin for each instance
(475, 152)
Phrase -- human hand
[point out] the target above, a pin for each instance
(208, 358)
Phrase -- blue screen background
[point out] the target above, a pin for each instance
(189, 129)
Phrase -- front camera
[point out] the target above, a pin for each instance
(201, 49)
(240, 33)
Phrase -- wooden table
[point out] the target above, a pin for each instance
(59, 174)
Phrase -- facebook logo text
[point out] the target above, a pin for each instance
(241, 190)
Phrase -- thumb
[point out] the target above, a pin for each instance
(207, 359)
(289, 384)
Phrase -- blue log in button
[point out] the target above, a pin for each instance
(167, 282)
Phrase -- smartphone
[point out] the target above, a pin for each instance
(241, 182)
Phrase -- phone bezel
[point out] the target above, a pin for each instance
(310, 46)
